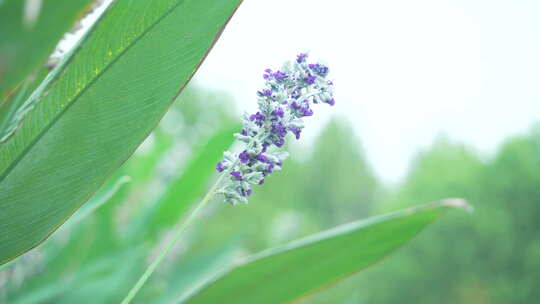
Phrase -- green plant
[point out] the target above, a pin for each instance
(67, 132)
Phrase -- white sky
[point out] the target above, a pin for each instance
(404, 71)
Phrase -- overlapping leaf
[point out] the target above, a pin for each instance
(29, 31)
(97, 107)
(293, 271)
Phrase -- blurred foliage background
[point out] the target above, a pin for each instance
(489, 257)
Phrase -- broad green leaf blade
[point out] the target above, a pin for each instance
(97, 107)
(295, 270)
(29, 31)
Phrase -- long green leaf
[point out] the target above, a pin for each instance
(98, 281)
(97, 107)
(29, 31)
(295, 270)
(17, 104)
(11, 111)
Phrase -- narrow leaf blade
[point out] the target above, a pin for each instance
(29, 31)
(295, 270)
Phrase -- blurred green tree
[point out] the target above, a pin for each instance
(490, 257)
(338, 172)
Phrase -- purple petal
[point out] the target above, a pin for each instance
(244, 156)
(237, 175)
(331, 102)
(310, 79)
(261, 157)
(301, 57)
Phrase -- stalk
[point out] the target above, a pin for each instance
(176, 237)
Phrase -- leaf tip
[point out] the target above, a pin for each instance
(457, 203)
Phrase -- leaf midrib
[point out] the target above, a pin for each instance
(15, 162)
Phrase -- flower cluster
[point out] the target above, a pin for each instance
(284, 101)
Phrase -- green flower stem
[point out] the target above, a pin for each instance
(178, 233)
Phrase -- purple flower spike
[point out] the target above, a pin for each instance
(288, 96)
(279, 130)
(301, 57)
(280, 142)
(296, 131)
(244, 156)
(237, 175)
(307, 111)
(265, 93)
(244, 192)
(268, 74)
(319, 69)
(270, 168)
(278, 112)
(296, 93)
(279, 76)
(331, 101)
(262, 158)
(258, 118)
(310, 79)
